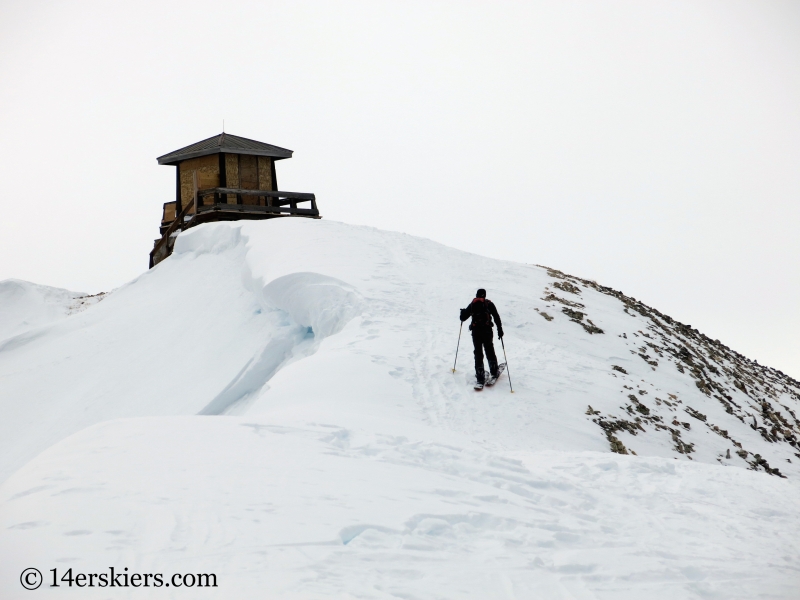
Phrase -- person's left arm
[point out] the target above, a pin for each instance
(496, 317)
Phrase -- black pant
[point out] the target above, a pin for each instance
(482, 340)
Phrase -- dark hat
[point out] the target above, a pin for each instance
(481, 293)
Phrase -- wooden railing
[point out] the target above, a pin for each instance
(173, 226)
(278, 203)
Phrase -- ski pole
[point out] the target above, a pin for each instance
(507, 369)
(457, 345)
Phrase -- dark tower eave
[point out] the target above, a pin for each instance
(224, 143)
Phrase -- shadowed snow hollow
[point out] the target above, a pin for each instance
(350, 458)
(322, 303)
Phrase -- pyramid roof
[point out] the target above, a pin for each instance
(224, 142)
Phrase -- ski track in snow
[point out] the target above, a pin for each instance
(350, 460)
(266, 508)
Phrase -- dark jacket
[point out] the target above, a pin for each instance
(482, 319)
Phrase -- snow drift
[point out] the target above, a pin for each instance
(27, 306)
(337, 454)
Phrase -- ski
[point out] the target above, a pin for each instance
(492, 380)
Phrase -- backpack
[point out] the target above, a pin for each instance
(481, 317)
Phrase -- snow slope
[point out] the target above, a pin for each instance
(27, 305)
(337, 454)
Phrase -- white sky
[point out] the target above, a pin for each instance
(651, 146)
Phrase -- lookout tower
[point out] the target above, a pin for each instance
(225, 178)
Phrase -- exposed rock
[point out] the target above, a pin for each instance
(697, 415)
(566, 286)
(551, 297)
(750, 393)
(577, 317)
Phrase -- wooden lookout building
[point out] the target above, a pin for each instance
(225, 178)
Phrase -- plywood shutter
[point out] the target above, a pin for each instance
(248, 176)
(207, 168)
(186, 187)
(248, 172)
(169, 213)
(265, 173)
(265, 177)
(232, 174)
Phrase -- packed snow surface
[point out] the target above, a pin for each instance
(26, 305)
(275, 404)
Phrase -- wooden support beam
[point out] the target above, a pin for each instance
(178, 187)
(223, 173)
(254, 208)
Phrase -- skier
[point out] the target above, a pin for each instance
(482, 310)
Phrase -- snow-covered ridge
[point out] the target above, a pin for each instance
(26, 306)
(595, 369)
(274, 403)
(759, 397)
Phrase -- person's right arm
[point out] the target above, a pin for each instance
(465, 314)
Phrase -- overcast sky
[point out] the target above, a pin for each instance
(651, 146)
